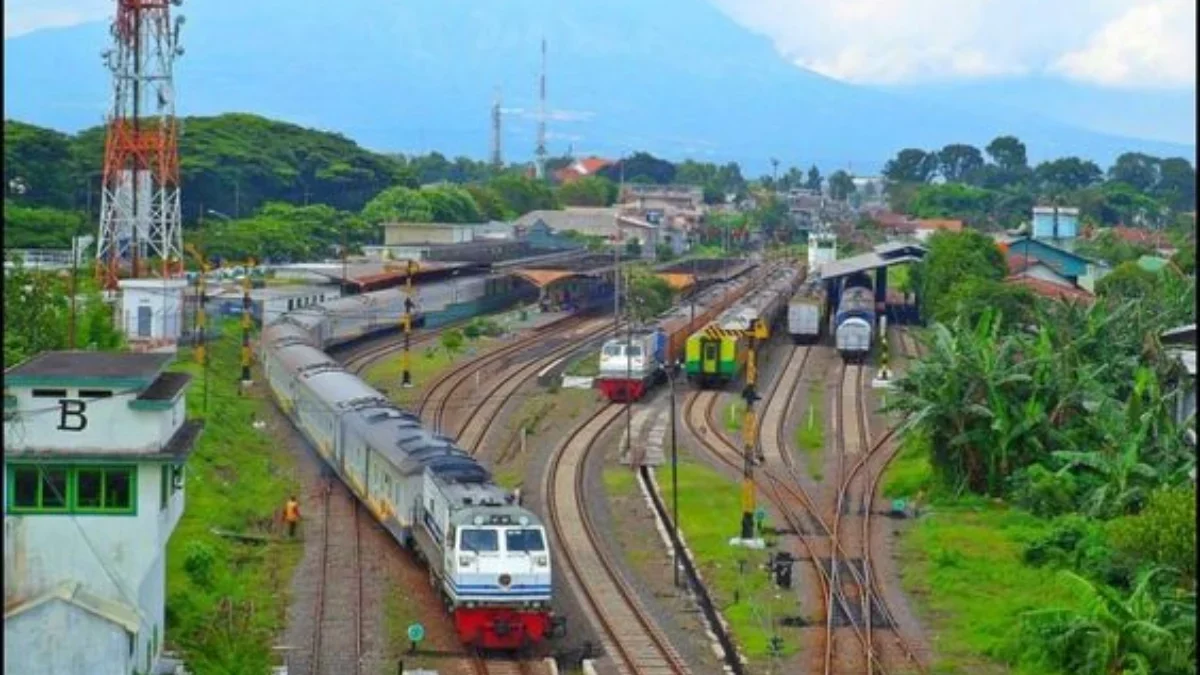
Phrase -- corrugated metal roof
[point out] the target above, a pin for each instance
(861, 263)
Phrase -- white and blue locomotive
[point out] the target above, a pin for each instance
(488, 556)
(854, 323)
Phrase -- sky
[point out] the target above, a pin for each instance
(1124, 44)
(1127, 44)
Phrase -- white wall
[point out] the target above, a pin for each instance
(60, 639)
(112, 426)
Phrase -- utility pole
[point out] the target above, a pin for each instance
(540, 153)
(497, 160)
(406, 376)
(674, 477)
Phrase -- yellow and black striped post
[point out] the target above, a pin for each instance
(406, 376)
(246, 323)
(749, 433)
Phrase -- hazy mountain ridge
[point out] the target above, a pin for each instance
(675, 77)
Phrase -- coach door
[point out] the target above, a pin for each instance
(710, 355)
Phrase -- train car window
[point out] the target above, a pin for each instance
(527, 540)
(612, 350)
(635, 350)
(480, 540)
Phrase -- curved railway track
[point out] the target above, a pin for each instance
(853, 591)
(629, 635)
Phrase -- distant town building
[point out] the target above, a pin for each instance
(1182, 343)
(661, 197)
(606, 222)
(401, 234)
(925, 227)
(581, 168)
(94, 451)
(1036, 262)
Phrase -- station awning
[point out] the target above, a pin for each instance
(543, 278)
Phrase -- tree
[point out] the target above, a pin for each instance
(1128, 281)
(1177, 184)
(911, 165)
(971, 298)
(588, 191)
(38, 159)
(452, 341)
(954, 257)
(952, 200)
(814, 179)
(1138, 170)
(491, 204)
(522, 194)
(770, 217)
(651, 168)
(1065, 175)
(1008, 153)
(1150, 631)
(958, 161)
(648, 294)
(37, 308)
(41, 227)
(841, 185)
(1163, 534)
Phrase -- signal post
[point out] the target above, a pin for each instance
(748, 536)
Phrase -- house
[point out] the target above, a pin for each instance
(604, 222)
(580, 168)
(95, 445)
(1142, 237)
(1182, 343)
(639, 197)
(1049, 289)
(925, 227)
(1078, 270)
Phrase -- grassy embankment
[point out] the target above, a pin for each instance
(226, 599)
(708, 512)
(587, 365)
(961, 564)
(810, 435)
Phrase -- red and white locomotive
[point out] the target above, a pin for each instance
(631, 364)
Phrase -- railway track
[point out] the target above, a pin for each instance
(501, 666)
(338, 622)
(629, 635)
(844, 586)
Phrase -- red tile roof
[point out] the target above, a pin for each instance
(940, 224)
(1049, 289)
(1137, 235)
(587, 166)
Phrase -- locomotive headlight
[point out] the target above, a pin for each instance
(541, 561)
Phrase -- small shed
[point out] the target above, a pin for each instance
(151, 313)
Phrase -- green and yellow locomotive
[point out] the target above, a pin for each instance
(716, 354)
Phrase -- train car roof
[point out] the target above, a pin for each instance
(505, 515)
(399, 437)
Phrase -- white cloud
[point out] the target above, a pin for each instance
(1151, 44)
(26, 16)
(1113, 42)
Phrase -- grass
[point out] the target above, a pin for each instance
(709, 508)
(910, 472)
(426, 363)
(227, 601)
(584, 366)
(810, 435)
(962, 565)
(735, 410)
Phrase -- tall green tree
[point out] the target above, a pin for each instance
(841, 185)
(1136, 169)
(588, 191)
(958, 161)
(813, 182)
(1066, 174)
(911, 165)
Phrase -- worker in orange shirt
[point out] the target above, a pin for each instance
(291, 515)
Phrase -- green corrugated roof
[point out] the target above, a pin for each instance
(1152, 263)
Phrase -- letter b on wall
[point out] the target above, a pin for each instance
(71, 415)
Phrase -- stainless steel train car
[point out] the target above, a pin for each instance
(806, 314)
(488, 556)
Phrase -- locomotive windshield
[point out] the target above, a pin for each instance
(612, 350)
(528, 540)
(478, 540)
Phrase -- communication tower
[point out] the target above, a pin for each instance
(540, 154)
(140, 211)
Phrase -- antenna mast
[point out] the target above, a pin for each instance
(540, 154)
(139, 212)
(497, 160)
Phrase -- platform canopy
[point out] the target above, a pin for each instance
(543, 278)
(884, 255)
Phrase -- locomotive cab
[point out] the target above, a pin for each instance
(499, 576)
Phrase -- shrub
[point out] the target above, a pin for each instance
(1163, 534)
(1043, 492)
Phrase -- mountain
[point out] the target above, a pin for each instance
(673, 77)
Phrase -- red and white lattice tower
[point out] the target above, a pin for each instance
(143, 223)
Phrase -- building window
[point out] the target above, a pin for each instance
(49, 393)
(105, 489)
(94, 393)
(171, 482)
(34, 489)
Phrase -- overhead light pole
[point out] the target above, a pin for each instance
(670, 372)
